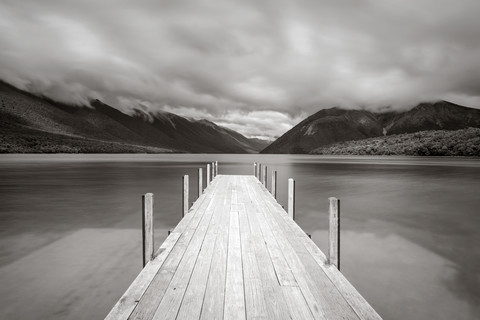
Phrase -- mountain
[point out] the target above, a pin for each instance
(29, 123)
(324, 127)
(441, 115)
(336, 125)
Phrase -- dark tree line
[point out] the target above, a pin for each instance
(464, 142)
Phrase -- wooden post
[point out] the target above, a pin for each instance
(259, 172)
(147, 227)
(185, 195)
(216, 168)
(208, 174)
(200, 182)
(265, 176)
(274, 184)
(334, 232)
(255, 170)
(291, 198)
(213, 170)
(262, 175)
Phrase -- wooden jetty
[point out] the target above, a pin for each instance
(237, 254)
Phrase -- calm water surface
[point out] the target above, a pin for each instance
(70, 241)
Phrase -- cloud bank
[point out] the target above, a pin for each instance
(254, 66)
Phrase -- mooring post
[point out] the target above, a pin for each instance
(334, 232)
(262, 174)
(185, 195)
(265, 176)
(255, 169)
(274, 184)
(216, 168)
(200, 182)
(208, 174)
(259, 172)
(147, 227)
(291, 198)
(213, 171)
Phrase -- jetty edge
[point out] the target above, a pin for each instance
(237, 254)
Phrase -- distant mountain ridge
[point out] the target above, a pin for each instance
(35, 124)
(335, 125)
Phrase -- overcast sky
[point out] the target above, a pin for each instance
(255, 66)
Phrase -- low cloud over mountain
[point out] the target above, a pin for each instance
(255, 66)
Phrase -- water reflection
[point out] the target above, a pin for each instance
(409, 226)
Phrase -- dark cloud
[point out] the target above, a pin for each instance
(254, 66)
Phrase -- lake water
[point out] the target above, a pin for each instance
(70, 239)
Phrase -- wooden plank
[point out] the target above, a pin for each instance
(274, 300)
(255, 300)
(238, 255)
(191, 305)
(351, 295)
(282, 270)
(172, 299)
(334, 232)
(124, 307)
(297, 304)
(317, 288)
(149, 303)
(147, 227)
(295, 265)
(234, 293)
(362, 308)
(213, 304)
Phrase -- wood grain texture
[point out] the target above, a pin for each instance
(334, 232)
(274, 184)
(185, 195)
(147, 227)
(291, 198)
(238, 255)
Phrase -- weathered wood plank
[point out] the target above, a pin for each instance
(149, 303)
(274, 299)
(296, 303)
(361, 307)
(234, 293)
(213, 304)
(238, 255)
(124, 307)
(172, 299)
(255, 300)
(317, 288)
(191, 305)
